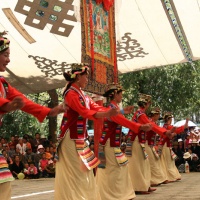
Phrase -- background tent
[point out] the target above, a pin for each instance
(44, 40)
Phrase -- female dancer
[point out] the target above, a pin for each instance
(11, 100)
(139, 167)
(113, 179)
(157, 174)
(74, 174)
(167, 155)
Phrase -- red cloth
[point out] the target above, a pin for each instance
(143, 119)
(114, 121)
(166, 139)
(76, 109)
(32, 170)
(43, 163)
(38, 111)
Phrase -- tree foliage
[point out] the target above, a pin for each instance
(21, 123)
(174, 88)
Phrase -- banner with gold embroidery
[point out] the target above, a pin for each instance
(99, 43)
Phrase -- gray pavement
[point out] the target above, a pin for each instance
(42, 189)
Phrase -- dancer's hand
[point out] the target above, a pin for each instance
(170, 133)
(128, 109)
(15, 104)
(57, 110)
(112, 112)
(145, 127)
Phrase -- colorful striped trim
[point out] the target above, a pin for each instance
(86, 155)
(155, 152)
(144, 151)
(120, 157)
(5, 174)
(173, 155)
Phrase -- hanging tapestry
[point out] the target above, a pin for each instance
(98, 44)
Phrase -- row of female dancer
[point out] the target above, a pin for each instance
(120, 175)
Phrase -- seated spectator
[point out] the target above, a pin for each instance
(48, 154)
(8, 159)
(32, 171)
(17, 166)
(180, 145)
(187, 157)
(50, 168)
(11, 151)
(26, 143)
(25, 171)
(179, 160)
(38, 155)
(12, 141)
(36, 142)
(29, 156)
(54, 147)
(51, 151)
(195, 163)
(42, 165)
(17, 153)
(21, 146)
(195, 148)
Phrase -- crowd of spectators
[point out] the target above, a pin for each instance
(34, 157)
(187, 148)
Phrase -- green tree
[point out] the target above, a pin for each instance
(174, 88)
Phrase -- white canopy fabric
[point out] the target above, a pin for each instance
(182, 122)
(146, 38)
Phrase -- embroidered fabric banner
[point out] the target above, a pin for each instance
(98, 44)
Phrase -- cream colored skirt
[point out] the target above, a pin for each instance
(5, 191)
(168, 164)
(114, 181)
(157, 174)
(73, 180)
(139, 168)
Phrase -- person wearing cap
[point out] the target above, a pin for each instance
(195, 163)
(179, 153)
(74, 168)
(167, 155)
(157, 174)
(180, 144)
(139, 167)
(11, 100)
(29, 156)
(113, 179)
(194, 146)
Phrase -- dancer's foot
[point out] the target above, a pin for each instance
(142, 192)
(155, 185)
(152, 189)
(165, 182)
(178, 179)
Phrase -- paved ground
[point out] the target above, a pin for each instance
(42, 189)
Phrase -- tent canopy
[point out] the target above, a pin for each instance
(149, 34)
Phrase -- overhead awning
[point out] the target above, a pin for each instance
(149, 34)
